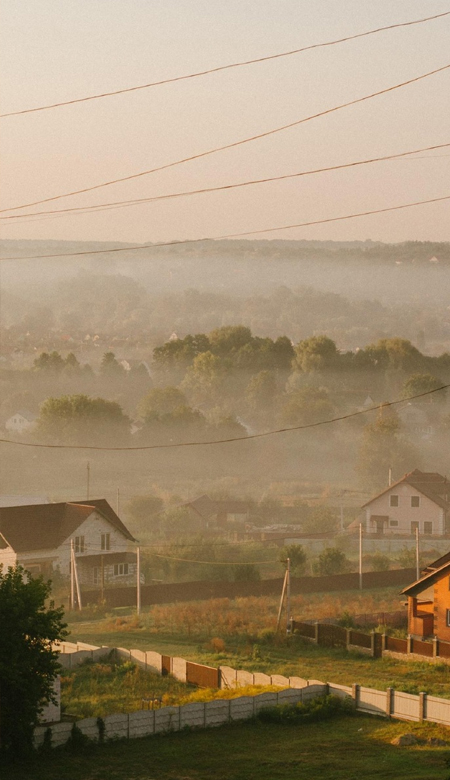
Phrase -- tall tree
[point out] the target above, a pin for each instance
(28, 663)
(80, 419)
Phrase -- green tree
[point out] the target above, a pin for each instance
(306, 405)
(332, 561)
(51, 363)
(80, 419)
(229, 339)
(317, 353)
(261, 392)
(161, 400)
(322, 520)
(247, 573)
(297, 557)
(383, 446)
(424, 383)
(110, 367)
(28, 664)
(204, 379)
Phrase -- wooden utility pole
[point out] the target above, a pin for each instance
(360, 555)
(138, 578)
(118, 502)
(88, 480)
(102, 577)
(288, 594)
(417, 555)
(72, 576)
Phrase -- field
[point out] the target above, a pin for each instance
(347, 748)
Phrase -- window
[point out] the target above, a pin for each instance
(79, 544)
(106, 542)
(96, 575)
(415, 500)
(448, 617)
(428, 527)
(393, 523)
(120, 569)
(414, 526)
(393, 500)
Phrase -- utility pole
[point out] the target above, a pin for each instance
(118, 502)
(72, 576)
(88, 479)
(102, 577)
(138, 577)
(360, 554)
(283, 591)
(288, 594)
(417, 554)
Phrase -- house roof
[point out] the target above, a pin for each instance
(27, 415)
(47, 526)
(431, 484)
(428, 579)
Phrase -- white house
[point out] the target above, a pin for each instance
(417, 500)
(39, 537)
(21, 421)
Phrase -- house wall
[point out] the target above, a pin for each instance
(18, 424)
(404, 513)
(441, 605)
(7, 557)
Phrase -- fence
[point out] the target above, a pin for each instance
(375, 644)
(204, 590)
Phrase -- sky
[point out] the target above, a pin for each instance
(55, 51)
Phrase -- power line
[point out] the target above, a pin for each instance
(223, 67)
(229, 235)
(232, 439)
(216, 563)
(204, 190)
(231, 145)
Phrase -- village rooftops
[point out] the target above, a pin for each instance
(47, 526)
(432, 485)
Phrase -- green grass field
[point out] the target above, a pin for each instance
(348, 748)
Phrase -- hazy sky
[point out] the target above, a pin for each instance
(61, 49)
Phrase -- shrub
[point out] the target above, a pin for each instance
(77, 742)
(217, 644)
(322, 708)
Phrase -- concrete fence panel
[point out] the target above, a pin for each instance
(241, 708)
(85, 646)
(371, 701)
(60, 733)
(167, 719)
(179, 668)
(297, 682)
(263, 700)
(280, 681)
(343, 691)
(314, 690)
(227, 677)
(89, 728)
(193, 715)
(65, 661)
(153, 661)
(141, 723)
(116, 726)
(437, 710)
(290, 696)
(217, 712)
(261, 679)
(244, 678)
(123, 654)
(101, 652)
(405, 706)
(138, 657)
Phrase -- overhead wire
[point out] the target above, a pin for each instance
(243, 234)
(232, 145)
(219, 68)
(247, 437)
(98, 207)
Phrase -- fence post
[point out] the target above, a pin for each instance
(355, 694)
(316, 632)
(389, 698)
(348, 637)
(372, 643)
(435, 647)
(383, 642)
(422, 705)
(409, 642)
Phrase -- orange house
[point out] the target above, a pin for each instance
(429, 601)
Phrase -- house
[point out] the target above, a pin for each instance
(417, 420)
(212, 513)
(40, 537)
(419, 500)
(21, 421)
(429, 601)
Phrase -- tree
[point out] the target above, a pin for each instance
(80, 419)
(52, 363)
(204, 379)
(383, 447)
(110, 367)
(28, 664)
(332, 561)
(143, 508)
(161, 400)
(315, 354)
(322, 520)
(297, 557)
(307, 405)
(424, 383)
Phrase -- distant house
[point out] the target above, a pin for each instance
(21, 421)
(429, 601)
(417, 420)
(39, 537)
(217, 513)
(418, 500)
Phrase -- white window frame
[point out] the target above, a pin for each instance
(105, 541)
(79, 545)
(120, 569)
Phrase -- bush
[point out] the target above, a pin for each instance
(322, 708)
(77, 742)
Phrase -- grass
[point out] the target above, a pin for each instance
(95, 690)
(347, 748)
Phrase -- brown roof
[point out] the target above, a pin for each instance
(432, 485)
(47, 526)
(427, 579)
